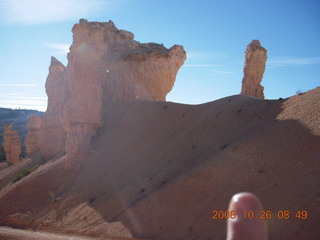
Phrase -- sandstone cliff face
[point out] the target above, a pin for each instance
(105, 65)
(11, 144)
(255, 62)
(52, 136)
(32, 139)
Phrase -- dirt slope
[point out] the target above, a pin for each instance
(17, 234)
(157, 170)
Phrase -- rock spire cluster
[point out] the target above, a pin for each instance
(254, 66)
(105, 65)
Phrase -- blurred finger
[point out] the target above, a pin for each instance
(242, 227)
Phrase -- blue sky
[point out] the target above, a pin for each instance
(214, 33)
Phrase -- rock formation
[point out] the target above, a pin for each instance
(11, 144)
(32, 139)
(52, 136)
(255, 62)
(105, 65)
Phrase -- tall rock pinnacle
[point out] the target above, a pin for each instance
(254, 66)
(52, 136)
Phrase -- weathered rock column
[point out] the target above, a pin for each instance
(32, 138)
(254, 66)
(52, 135)
(11, 144)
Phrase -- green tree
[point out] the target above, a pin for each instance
(2, 154)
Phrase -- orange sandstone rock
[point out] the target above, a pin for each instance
(107, 65)
(11, 144)
(255, 62)
(32, 138)
(52, 136)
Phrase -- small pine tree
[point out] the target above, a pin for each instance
(2, 154)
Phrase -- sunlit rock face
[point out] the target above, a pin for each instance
(254, 66)
(11, 144)
(52, 136)
(32, 139)
(105, 65)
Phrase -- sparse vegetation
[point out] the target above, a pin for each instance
(299, 92)
(25, 172)
(53, 196)
(2, 154)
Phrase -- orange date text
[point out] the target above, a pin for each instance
(281, 214)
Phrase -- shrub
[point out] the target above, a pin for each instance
(25, 172)
(299, 92)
